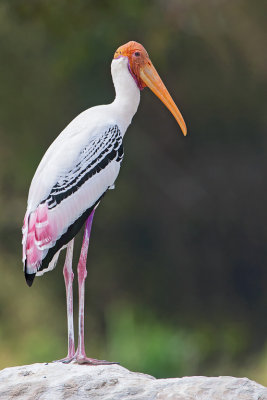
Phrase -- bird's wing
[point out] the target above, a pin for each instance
(63, 153)
(54, 221)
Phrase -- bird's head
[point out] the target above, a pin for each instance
(145, 74)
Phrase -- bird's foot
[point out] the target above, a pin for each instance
(65, 360)
(82, 359)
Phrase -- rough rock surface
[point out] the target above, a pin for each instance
(58, 381)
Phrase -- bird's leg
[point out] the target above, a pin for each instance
(80, 355)
(68, 277)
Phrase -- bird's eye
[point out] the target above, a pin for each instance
(137, 54)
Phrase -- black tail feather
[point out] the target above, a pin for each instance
(29, 278)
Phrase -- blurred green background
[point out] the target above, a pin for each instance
(177, 265)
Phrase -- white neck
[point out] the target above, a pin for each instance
(127, 93)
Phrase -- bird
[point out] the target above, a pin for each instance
(76, 171)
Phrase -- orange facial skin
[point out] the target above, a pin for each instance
(145, 74)
(137, 57)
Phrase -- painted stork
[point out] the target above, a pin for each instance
(75, 173)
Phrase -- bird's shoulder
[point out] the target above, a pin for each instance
(63, 153)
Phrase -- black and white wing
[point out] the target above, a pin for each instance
(61, 214)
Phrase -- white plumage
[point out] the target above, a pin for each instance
(75, 172)
(60, 162)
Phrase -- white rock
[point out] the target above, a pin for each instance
(57, 381)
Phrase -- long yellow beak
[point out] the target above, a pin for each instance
(151, 78)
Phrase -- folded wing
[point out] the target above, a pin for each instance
(59, 216)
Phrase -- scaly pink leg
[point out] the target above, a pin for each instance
(80, 355)
(68, 277)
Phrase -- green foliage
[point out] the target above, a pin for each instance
(143, 343)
